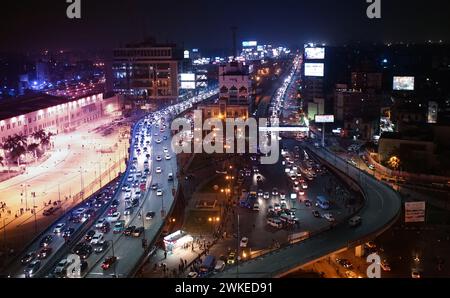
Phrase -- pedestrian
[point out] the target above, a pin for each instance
(185, 263)
(165, 255)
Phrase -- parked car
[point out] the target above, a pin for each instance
(108, 262)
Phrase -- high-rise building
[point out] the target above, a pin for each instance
(147, 69)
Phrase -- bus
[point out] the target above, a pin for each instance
(322, 202)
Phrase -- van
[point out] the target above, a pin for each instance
(255, 207)
(355, 221)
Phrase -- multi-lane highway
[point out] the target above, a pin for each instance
(151, 162)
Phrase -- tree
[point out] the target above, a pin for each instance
(16, 146)
(43, 137)
(33, 148)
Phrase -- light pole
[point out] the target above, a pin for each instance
(34, 212)
(82, 183)
(24, 188)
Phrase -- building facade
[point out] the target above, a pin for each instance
(23, 116)
(148, 69)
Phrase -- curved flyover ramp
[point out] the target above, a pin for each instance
(381, 209)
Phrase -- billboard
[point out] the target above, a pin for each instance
(250, 43)
(324, 119)
(187, 85)
(403, 83)
(186, 54)
(314, 53)
(414, 211)
(314, 69)
(187, 77)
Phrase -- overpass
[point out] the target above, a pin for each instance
(381, 209)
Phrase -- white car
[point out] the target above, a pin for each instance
(165, 150)
(304, 185)
(114, 217)
(59, 227)
(96, 238)
(158, 158)
(244, 242)
(159, 192)
(167, 156)
(266, 195)
(100, 223)
(158, 141)
(329, 217)
(158, 170)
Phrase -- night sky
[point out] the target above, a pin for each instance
(31, 24)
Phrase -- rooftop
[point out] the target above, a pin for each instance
(29, 103)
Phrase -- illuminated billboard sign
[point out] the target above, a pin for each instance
(324, 119)
(403, 83)
(187, 77)
(314, 53)
(314, 69)
(186, 54)
(251, 43)
(188, 85)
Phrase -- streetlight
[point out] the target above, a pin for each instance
(24, 188)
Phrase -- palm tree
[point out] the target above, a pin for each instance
(43, 137)
(33, 149)
(16, 145)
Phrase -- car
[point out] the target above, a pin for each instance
(344, 263)
(112, 210)
(158, 141)
(167, 156)
(385, 265)
(129, 230)
(60, 269)
(329, 217)
(158, 170)
(137, 232)
(44, 252)
(270, 209)
(301, 192)
(165, 138)
(114, 217)
(28, 257)
(165, 150)
(128, 211)
(68, 232)
(159, 192)
(108, 262)
(158, 158)
(100, 223)
(260, 193)
(101, 246)
(316, 213)
(115, 204)
(277, 207)
(83, 249)
(231, 258)
(59, 228)
(308, 203)
(32, 268)
(415, 273)
(118, 226)
(149, 215)
(46, 240)
(192, 274)
(304, 186)
(371, 167)
(105, 228)
(244, 242)
(96, 238)
(155, 186)
(266, 195)
(89, 235)
(220, 265)
(275, 192)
